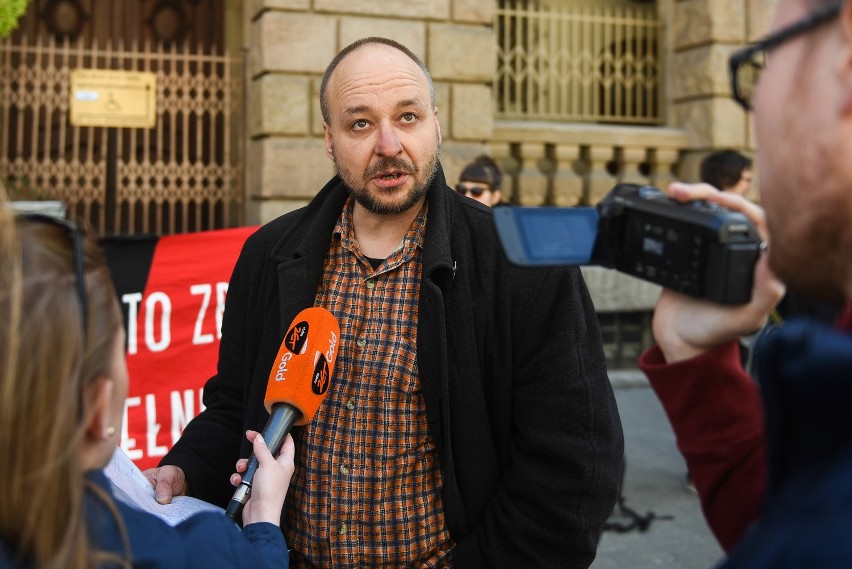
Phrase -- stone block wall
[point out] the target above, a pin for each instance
(702, 35)
(290, 42)
(289, 45)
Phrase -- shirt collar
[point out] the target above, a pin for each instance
(411, 242)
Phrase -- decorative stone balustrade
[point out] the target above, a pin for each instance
(577, 164)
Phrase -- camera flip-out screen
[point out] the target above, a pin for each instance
(696, 248)
(547, 235)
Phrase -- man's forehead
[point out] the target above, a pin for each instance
(378, 70)
(377, 61)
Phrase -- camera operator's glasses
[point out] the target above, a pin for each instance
(76, 238)
(474, 191)
(745, 65)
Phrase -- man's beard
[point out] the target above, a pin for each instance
(417, 192)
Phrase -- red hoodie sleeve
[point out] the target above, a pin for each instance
(716, 413)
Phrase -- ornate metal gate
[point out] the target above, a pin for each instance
(578, 63)
(185, 174)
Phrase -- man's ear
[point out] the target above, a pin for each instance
(101, 424)
(329, 146)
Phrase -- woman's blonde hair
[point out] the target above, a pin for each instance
(48, 363)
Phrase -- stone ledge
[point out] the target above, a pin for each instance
(588, 134)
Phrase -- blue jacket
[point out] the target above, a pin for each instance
(206, 540)
(805, 373)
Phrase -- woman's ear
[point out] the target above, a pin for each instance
(101, 424)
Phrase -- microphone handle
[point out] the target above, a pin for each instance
(279, 424)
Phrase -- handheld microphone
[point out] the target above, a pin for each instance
(298, 382)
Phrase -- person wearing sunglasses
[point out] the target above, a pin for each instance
(481, 180)
(772, 458)
(63, 381)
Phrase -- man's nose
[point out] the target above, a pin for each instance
(388, 143)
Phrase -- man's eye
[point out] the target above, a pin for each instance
(359, 124)
(409, 117)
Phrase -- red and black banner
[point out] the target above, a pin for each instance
(172, 292)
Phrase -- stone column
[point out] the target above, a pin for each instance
(600, 180)
(662, 160)
(532, 185)
(631, 158)
(286, 164)
(502, 154)
(567, 185)
(704, 34)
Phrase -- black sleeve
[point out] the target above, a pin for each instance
(208, 449)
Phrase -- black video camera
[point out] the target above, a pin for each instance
(696, 248)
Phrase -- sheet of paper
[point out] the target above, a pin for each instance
(133, 488)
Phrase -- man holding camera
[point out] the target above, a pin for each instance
(772, 459)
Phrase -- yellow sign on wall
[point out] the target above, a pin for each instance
(102, 97)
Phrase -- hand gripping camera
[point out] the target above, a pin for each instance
(696, 248)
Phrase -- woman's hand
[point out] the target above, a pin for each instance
(270, 482)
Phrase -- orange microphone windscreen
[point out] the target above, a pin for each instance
(302, 370)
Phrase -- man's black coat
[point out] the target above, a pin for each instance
(511, 367)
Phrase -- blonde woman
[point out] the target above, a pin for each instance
(63, 381)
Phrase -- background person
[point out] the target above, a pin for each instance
(727, 170)
(63, 382)
(470, 421)
(482, 180)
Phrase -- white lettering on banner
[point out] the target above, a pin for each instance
(165, 321)
(182, 405)
(158, 317)
(153, 427)
(205, 290)
(127, 443)
(132, 300)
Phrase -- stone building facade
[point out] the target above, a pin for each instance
(568, 107)
(289, 43)
(547, 162)
(703, 35)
